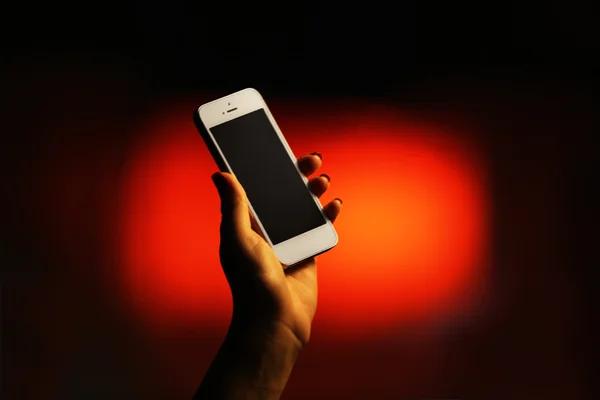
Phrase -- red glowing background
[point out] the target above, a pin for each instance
(414, 228)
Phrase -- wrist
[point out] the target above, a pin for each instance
(270, 321)
(262, 356)
(257, 334)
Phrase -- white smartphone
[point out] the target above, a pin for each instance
(244, 140)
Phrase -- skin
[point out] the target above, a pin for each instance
(273, 308)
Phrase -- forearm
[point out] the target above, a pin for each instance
(252, 363)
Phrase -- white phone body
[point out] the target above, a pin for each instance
(249, 102)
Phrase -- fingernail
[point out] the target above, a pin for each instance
(338, 199)
(326, 177)
(316, 153)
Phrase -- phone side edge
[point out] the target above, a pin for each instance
(208, 141)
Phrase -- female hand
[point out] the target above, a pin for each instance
(265, 296)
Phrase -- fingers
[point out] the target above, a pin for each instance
(310, 163)
(332, 209)
(319, 184)
(234, 205)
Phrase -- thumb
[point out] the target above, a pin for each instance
(235, 219)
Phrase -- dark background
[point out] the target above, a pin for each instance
(75, 77)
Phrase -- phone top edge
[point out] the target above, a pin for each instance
(248, 89)
(230, 107)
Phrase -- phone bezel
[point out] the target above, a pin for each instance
(293, 250)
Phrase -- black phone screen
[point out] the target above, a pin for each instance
(274, 188)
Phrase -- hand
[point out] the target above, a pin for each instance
(264, 294)
(273, 308)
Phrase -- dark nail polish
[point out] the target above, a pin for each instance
(326, 177)
(338, 199)
(316, 153)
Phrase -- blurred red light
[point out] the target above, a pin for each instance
(413, 232)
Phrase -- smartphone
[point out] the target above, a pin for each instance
(244, 139)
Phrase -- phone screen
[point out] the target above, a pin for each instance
(274, 188)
